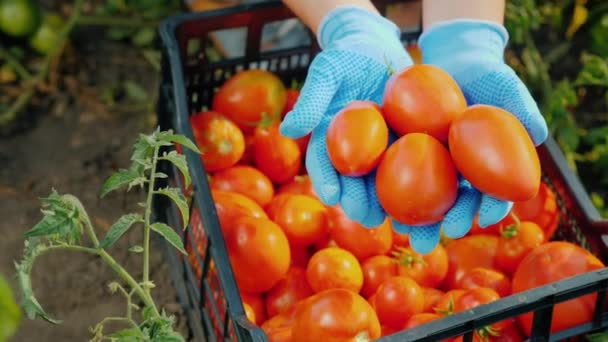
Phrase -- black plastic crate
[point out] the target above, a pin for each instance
(204, 280)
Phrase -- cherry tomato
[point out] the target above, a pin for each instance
(397, 299)
(275, 155)
(361, 241)
(467, 253)
(427, 270)
(249, 95)
(488, 278)
(336, 315)
(288, 291)
(332, 268)
(245, 180)
(376, 270)
(356, 138)
(231, 205)
(516, 241)
(432, 297)
(303, 219)
(221, 142)
(494, 152)
(300, 185)
(422, 99)
(542, 210)
(256, 244)
(417, 164)
(552, 262)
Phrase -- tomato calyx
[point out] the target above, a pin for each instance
(511, 230)
(362, 337)
(487, 332)
(402, 256)
(224, 146)
(448, 311)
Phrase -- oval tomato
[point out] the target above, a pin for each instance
(303, 219)
(422, 99)
(426, 269)
(488, 278)
(287, 292)
(494, 152)
(245, 180)
(249, 95)
(397, 299)
(356, 138)
(361, 241)
(256, 244)
(542, 210)
(467, 253)
(332, 268)
(376, 270)
(417, 164)
(516, 241)
(552, 262)
(278, 157)
(300, 185)
(221, 142)
(432, 296)
(231, 205)
(336, 315)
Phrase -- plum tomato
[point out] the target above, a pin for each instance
(221, 142)
(278, 157)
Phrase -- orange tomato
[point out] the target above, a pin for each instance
(231, 205)
(245, 180)
(515, 242)
(541, 209)
(376, 270)
(467, 253)
(300, 185)
(332, 268)
(486, 277)
(278, 157)
(397, 299)
(221, 142)
(432, 296)
(288, 291)
(426, 269)
(303, 219)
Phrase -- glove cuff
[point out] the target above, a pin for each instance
(480, 38)
(348, 20)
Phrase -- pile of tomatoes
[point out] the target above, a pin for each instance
(306, 272)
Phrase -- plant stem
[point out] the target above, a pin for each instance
(124, 22)
(72, 248)
(14, 63)
(146, 276)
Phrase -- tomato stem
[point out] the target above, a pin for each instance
(146, 253)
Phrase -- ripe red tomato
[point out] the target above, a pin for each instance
(376, 270)
(397, 299)
(516, 241)
(446, 304)
(422, 99)
(400, 240)
(221, 142)
(467, 253)
(493, 150)
(256, 244)
(299, 255)
(245, 180)
(417, 164)
(332, 268)
(303, 219)
(300, 185)
(256, 302)
(355, 238)
(432, 296)
(542, 210)
(231, 205)
(488, 278)
(427, 270)
(552, 262)
(275, 155)
(288, 291)
(250, 94)
(356, 138)
(336, 315)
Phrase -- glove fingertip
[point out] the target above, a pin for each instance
(290, 128)
(424, 239)
(492, 211)
(400, 227)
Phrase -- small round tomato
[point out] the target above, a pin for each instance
(300, 185)
(303, 219)
(432, 297)
(245, 180)
(426, 269)
(288, 291)
(417, 164)
(356, 138)
(486, 277)
(467, 253)
(275, 155)
(420, 319)
(221, 142)
(552, 262)
(446, 304)
(256, 302)
(376, 270)
(397, 299)
(516, 241)
(542, 210)
(361, 241)
(231, 205)
(249, 95)
(259, 253)
(332, 268)
(492, 150)
(336, 315)
(422, 99)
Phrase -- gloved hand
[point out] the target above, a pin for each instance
(358, 48)
(471, 51)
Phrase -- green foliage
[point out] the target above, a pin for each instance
(10, 314)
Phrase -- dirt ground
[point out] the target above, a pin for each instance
(73, 149)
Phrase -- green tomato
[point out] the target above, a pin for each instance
(599, 37)
(19, 18)
(47, 35)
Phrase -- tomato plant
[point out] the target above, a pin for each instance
(275, 155)
(391, 296)
(245, 180)
(334, 267)
(220, 140)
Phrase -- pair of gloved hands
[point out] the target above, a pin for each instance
(358, 46)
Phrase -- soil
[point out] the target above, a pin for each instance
(72, 146)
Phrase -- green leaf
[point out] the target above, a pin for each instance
(160, 175)
(179, 160)
(176, 195)
(144, 36)
(50, 224)
(143, 150)
(594, 71)
(170, 235)
(119, 228)
(135, 91)
(136, 249)
(118, 180)
(179, 139)
(10, 314)
(131, 334)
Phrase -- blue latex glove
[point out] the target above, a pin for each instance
(358, 48)
(471, 51)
